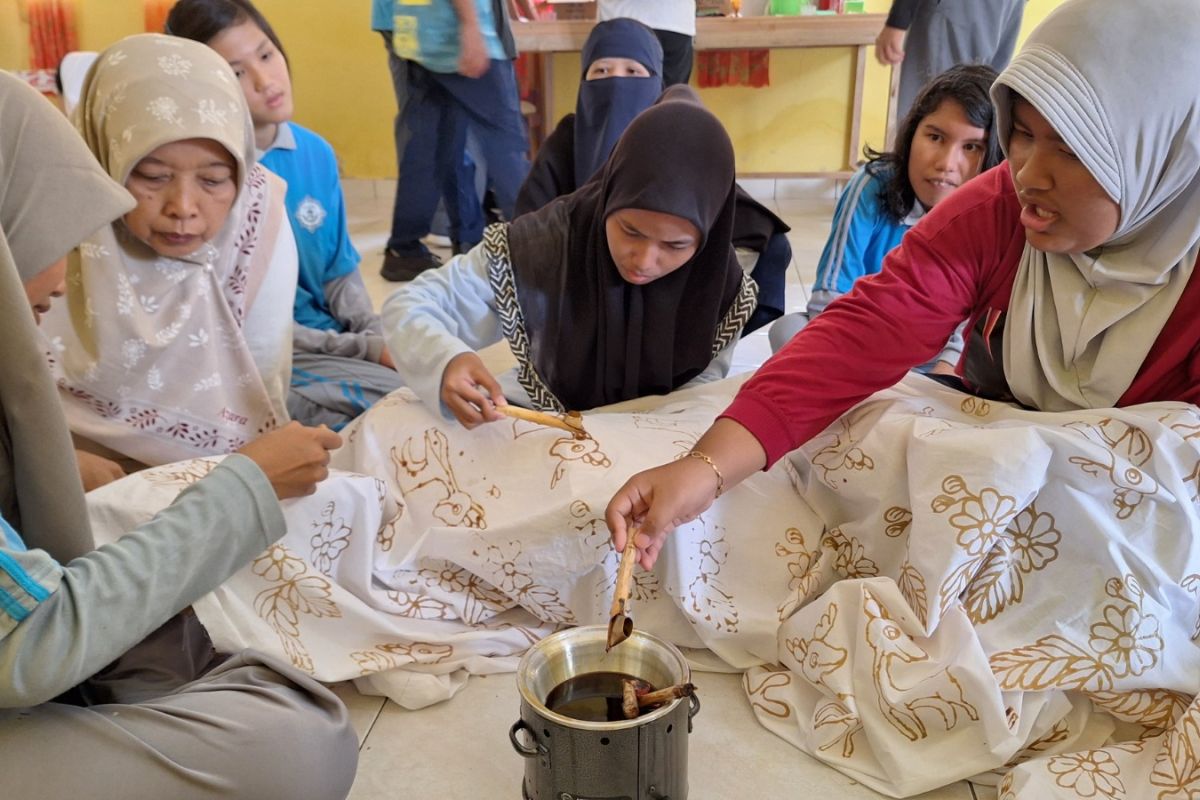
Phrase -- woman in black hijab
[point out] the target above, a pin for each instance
(621, 77)
(627, 287)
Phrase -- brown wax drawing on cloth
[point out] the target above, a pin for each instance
(585, 337)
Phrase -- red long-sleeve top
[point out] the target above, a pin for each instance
(958, 263)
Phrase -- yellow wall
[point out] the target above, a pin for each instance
(343, 90)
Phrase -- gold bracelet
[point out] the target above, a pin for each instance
(720, 478)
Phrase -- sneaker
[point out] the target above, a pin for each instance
(399, 267)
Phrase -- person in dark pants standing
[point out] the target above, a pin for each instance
(457, 56)
(673, 22)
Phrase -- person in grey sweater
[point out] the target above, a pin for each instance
(109, 686)
(929, 36)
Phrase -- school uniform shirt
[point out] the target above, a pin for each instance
(428, 33)
(316, 210)
(959, 264)
(863, 232)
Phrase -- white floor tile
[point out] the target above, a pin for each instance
(363, 709)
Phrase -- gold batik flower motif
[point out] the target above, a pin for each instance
(1034, 539)
(802, 565)
(419, 606)
(982, 518)
(1127, 642)
(1092, 773)
(711, 604)
(1028, 545)
(506, 572)
(278, 564)
(448, 578)
(513, 574)
(332, 536)
(294, 595)
(849, 555)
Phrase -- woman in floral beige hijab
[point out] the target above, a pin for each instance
(177, 337)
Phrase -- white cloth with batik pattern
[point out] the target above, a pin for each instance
(993, 585)
(467, 546)
(996, 587)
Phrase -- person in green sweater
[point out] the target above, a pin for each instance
(109, 687)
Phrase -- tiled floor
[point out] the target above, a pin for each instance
(460, 749)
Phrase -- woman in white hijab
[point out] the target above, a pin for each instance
(166, 717)
(176, 341)
(1073, 263)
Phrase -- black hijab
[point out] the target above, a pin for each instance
(604, 108)
(582, 142)
(582, 335)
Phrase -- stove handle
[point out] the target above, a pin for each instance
(525, 750)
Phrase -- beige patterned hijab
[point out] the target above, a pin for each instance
(52, 195)
(1119, 82)
(151, 359)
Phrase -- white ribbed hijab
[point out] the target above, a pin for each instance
(52, 195)
(1120, 82)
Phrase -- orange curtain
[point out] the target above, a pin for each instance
(733, 68)
(51, 32)
(155, 14)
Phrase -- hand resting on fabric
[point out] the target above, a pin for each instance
(294, 458)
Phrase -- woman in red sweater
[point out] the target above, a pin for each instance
(1072, 264)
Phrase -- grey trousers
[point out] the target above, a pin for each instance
(948, 32)
(160, 724)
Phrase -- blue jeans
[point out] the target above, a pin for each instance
(436, 114)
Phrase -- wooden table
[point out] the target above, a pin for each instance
(725, 33)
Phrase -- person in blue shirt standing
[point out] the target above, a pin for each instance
(341, 365)
(458, 58)
(947, 139)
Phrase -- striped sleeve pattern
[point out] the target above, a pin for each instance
(27, 577)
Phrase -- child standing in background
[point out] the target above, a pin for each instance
(341, 364)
